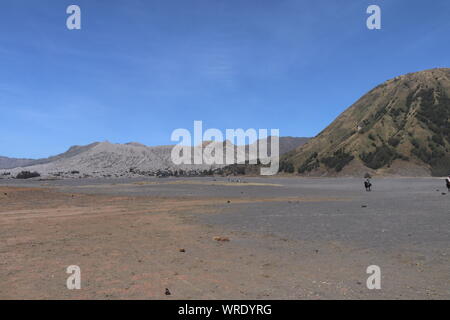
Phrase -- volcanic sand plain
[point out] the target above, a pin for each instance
(220, 238)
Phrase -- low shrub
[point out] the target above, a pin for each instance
(310, 164)
(394, 142)
(338, 161)
(27, 175)
(381, 157)
(286, 166)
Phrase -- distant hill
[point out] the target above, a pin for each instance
(291, 143)
(104, 159)
(286, 144)
(108, 159)
(401, 127)
(9, 163)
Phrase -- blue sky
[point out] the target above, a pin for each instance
(138, 69)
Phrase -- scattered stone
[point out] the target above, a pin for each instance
(182, 250)
(167, 292)
(228, 201)
(221, 239)
(317, 251)
(5, 194)
(364, 206)
(443, 193)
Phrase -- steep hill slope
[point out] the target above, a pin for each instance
(400, 127)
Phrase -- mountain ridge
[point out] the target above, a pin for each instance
(110, 159)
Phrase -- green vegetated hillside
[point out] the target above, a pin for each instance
(400, 127)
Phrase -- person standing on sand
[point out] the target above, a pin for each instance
(448, 182)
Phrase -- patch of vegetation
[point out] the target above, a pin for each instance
(378, 115)
(415, 143)
(438, 159)
(338, 161)
(240, 169)
(286, 166)
(379, 158)
(27, 175)
(367, 124)
(310, 164)
(438, 139)
(433, 114)
(423, 154)
(394, 141)
(395, 112)
(410, 99)
(209, 172)
(441, 166)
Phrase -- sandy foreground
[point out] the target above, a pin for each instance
(288, 239)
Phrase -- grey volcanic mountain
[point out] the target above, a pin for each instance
(401, 127)
(105, 159)
(9, 163)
